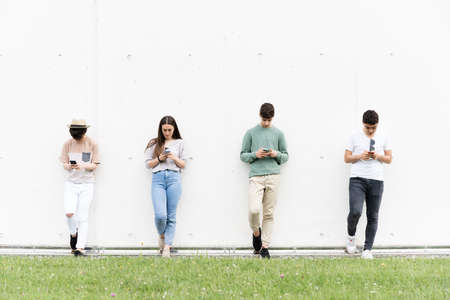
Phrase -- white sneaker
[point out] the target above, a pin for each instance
(367, 254)
(166, 252)
(161, 244)
(350, 248)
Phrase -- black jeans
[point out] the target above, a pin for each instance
(371, 191)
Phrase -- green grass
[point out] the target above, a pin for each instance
(222, 278)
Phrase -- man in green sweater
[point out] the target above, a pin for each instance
(264, 148)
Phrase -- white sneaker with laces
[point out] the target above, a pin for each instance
(166, 252)
(367, 254)
(350, 248)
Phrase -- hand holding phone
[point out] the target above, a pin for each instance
(365, 155)
(272, 153)
(261, 153)
(73, 164)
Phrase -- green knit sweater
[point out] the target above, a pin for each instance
(260, 137)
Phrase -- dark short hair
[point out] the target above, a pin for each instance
(370, 117)
(77, 133)
(267, 111)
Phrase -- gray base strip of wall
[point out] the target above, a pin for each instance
(286, 253)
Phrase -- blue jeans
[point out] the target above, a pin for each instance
(166, 192)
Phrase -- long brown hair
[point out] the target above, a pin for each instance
(160, 140)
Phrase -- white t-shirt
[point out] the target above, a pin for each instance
(174, 146)
(372, 168)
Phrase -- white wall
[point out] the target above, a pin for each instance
(124, 64)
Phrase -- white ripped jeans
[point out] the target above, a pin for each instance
(77, 200)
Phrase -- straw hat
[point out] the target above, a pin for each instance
(78, 123)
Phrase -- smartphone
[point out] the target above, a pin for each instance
(371, 152)
(166, 151)
(266, 149)
(73, 162)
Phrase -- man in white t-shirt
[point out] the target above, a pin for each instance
(367, 151)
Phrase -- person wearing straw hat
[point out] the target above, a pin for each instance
(80, 159)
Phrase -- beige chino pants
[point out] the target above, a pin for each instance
(262, 193)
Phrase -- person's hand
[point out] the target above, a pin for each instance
(170, 155)
(373, 155)
(273, 153)
(261, 154)
(90, 167)
(75, 166)
(162, 157)
(365, 155)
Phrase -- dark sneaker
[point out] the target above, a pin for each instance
(73, 242)
(79, 252)
(264, 253)
(257, 243)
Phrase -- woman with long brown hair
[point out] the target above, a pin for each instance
(166, 157)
